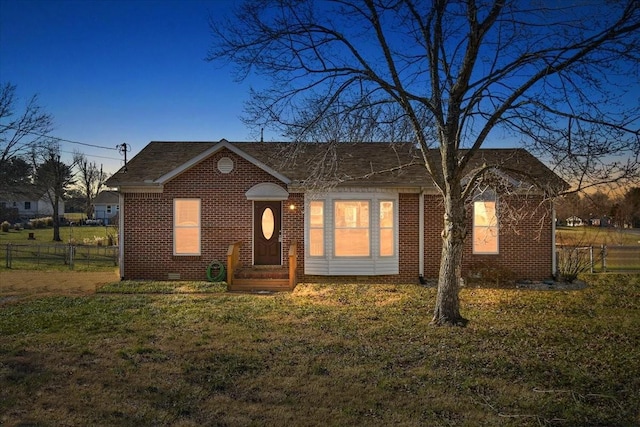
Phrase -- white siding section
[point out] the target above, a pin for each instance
(330, 265)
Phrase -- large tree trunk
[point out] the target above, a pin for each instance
(447, 310)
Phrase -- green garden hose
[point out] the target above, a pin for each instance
(215, 266)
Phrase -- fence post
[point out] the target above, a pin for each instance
(604, 258)
(71, 256)
(591, 258)
(8, 259)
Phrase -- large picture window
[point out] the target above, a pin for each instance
(351, 228)
(186, 226)
(485, 224)
(351, 233)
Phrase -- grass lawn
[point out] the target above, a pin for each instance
(323, 355)
(596, 236)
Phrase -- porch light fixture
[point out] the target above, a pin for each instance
(292, 207)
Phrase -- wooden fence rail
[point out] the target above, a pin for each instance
(71, 255)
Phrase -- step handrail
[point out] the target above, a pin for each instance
(233, 261)
(293, 263)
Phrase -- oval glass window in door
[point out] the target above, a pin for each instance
(268, 223)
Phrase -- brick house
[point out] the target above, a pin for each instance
(267, 207)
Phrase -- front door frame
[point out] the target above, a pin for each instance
(266, 192)
(276, 206)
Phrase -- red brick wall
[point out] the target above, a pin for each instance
(524, 243)
(525, 238)
(227, 217)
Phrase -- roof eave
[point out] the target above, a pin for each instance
(140, 188)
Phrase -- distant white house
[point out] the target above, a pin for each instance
(575, 221)
(29, 204)
(106, 206)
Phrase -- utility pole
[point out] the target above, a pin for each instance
(123, 148)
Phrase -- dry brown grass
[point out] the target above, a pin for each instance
(596, 236)
(323, 355)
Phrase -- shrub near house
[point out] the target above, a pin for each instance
(185, 203)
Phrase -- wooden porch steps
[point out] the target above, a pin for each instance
(274, 279)
(260, 278)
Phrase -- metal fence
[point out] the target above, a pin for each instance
(599, 259)
(70, 255)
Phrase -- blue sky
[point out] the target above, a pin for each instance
(126, 71)
(121, 71)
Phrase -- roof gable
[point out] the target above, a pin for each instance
(106, 197)
(211, 151)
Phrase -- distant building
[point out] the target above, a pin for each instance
(106, 206)
(28, 204)
(604, 221)
(575, 221)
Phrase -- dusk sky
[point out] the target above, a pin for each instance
(121, 71)
(126, 71)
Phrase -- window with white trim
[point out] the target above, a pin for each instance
(316, 228)
(387, 239)
(485, 224)
(351, 233)
(352, 237)
(186, 226)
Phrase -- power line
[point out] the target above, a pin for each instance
(93, 156)
(42, 135)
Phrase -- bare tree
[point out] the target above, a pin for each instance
(91, 180)
(20, 130)
(556, 76)
(54, 178)
(629, 208)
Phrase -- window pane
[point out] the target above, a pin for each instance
(352, 242)
(386, 228)
(316, 242)
(187, 240)
(186, 233)
(386, 214)
(316, 228)
(352, 214)
(485, 227)
(187, 212)
(317, 214)
(268, 223)
(485, 213)
(351, 234)
(386, 242)
(485, 240)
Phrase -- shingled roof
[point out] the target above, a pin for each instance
(305, 165)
